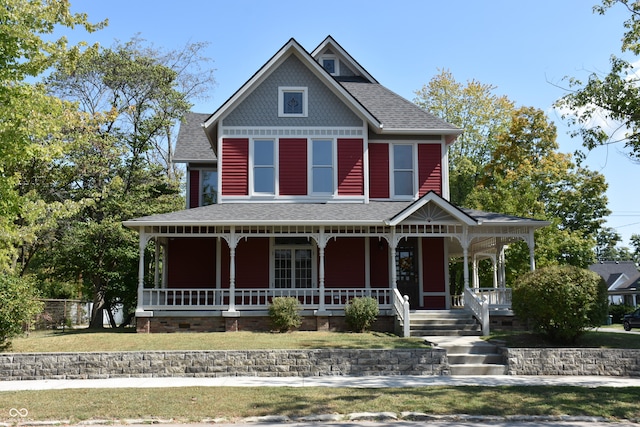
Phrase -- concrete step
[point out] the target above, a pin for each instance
(475, 359)
(479, 369)
(446, 332)
(452, 322)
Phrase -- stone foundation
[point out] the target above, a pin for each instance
(275, 363)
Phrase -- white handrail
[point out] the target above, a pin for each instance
(401, 309)
(479, 306)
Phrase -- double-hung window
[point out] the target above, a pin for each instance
(293, 263)
(264, 166)
(403, 174)
(322, 166)
(208, 187)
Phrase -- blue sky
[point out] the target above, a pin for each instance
(523, 48)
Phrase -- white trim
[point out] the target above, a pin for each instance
(272, 264)
(336, 63)
(392, 169)
(251, 171)
(421, 292)
(292, 131)
(295, 89)
(335, 47)
(334, 169)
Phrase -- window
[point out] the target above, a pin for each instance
(331, 64)
(293, 263)
(263, 166)
(403, 170)
(322, 166)
(208, 187)
(292, 102)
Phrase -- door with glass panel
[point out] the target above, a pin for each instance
(407, 276)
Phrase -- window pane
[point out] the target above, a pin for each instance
(209, 187)
(403, 183)
(329, 65)
(402, 157)
(263, 153)
(303, 268)
(322, 180)
(283, 268)
(292, 102)
(322, 153)
(263, 180)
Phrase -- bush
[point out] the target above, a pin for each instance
(284, 313)
(360, 313)
(617, 311)
(561, 301)
(18, 307)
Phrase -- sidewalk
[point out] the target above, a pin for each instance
(336, 381)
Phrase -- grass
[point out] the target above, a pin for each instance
(83, 340)
(193, 404)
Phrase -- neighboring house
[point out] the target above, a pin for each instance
(623, 280)
(315, 181)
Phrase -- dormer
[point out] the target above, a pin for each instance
(337, 62)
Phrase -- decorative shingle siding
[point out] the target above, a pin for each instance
(235, 167)
(379, 171)
(429, 168)
(194, 188)
(293, 167)
(260, 107)
(350, 167)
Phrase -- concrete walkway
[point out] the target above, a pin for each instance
(337, 381)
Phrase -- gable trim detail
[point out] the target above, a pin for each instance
(432, 197)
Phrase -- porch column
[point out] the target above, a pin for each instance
(322, 244)
(475, 281)
(233, 243)
(532, 244)
(465, 251)
(393, 244)
(156, 262)
(494, 269)
(142, 243)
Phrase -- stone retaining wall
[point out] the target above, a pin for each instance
(572, 361)
(32, 366)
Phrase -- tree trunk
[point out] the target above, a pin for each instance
(97, 314)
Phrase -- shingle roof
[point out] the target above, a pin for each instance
(372, 213)
(192, 144)
(611, 271)
(394, 111)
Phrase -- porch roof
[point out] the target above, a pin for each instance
(374, 213)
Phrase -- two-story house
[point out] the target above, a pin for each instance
(315, 181)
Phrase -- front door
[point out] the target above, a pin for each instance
(407, 277)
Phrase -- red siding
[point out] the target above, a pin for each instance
(293, 167)
(379, 263)
(235, 167)
(379, 171)
(252, 264)
(192, 263)
(350, 167)
(344, 263)
(429, 168)
(194, 188)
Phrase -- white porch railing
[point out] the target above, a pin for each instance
(256, 299)
(479, 306)
(498, 298)
(401, 310)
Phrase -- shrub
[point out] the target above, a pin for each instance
(360, 313)
(18, 307)
(617, 311)
(561, 301)
(284, 313)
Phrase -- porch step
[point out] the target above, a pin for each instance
(443, 323)
(472, 357)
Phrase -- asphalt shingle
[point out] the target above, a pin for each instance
(192, 143)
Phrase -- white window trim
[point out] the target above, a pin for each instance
(272, 263)
(336, 70)
(201, 185)
(305, 102)
(414, 159)
(252, 191)
(334, 167)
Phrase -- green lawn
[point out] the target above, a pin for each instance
(590, 339)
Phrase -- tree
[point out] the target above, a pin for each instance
(527, 176)
(133, 100)
(479, 112)
(32, 124)
(604, 109)
(561, 301)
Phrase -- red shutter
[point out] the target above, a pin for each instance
(194, 188)
(235, 167)
(429, 168)
(379, 171)
(293, 167)
(350, 167)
